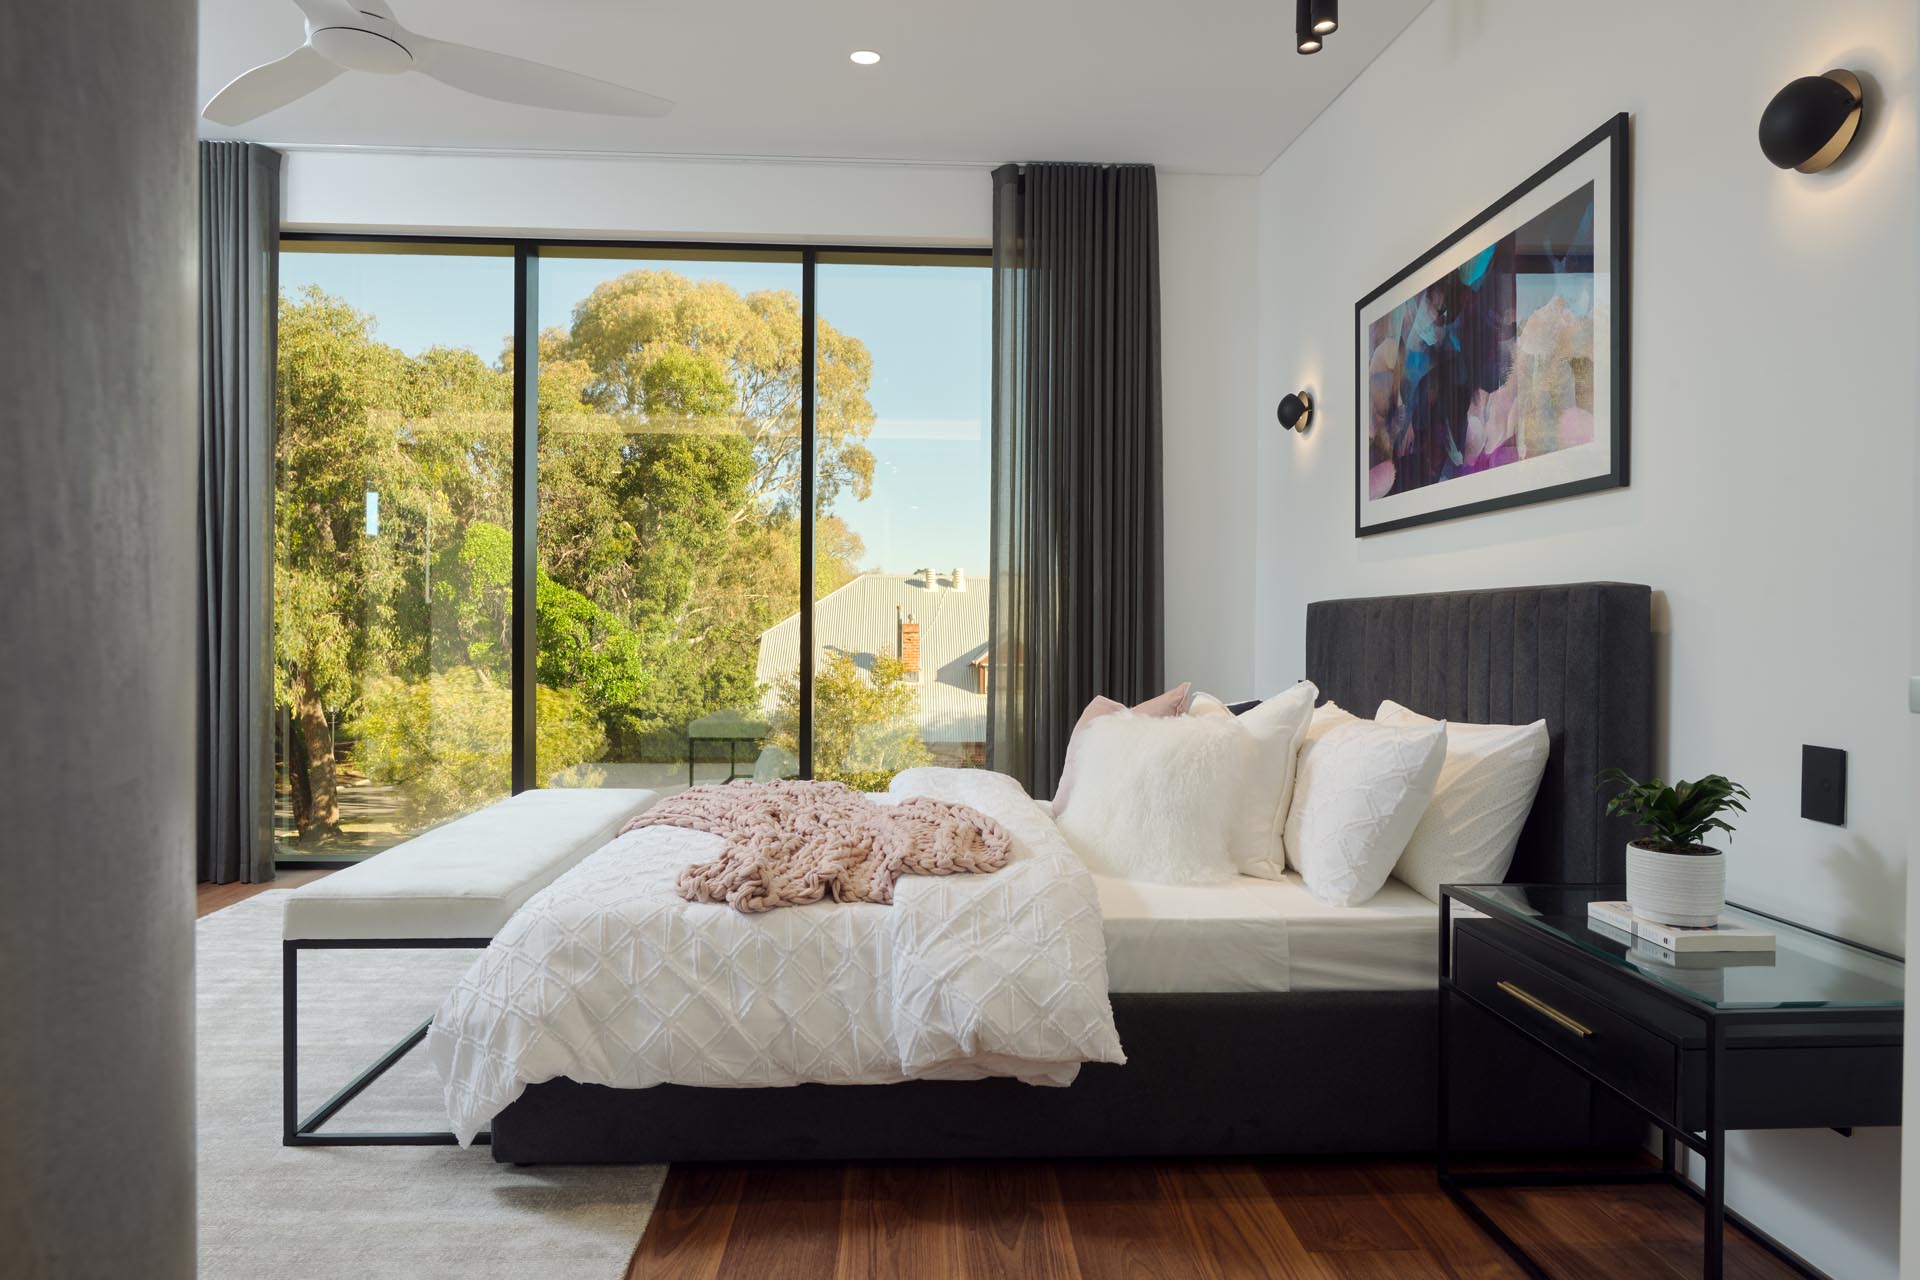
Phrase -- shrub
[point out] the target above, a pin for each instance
(445, 743)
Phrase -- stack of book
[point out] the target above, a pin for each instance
(1729, 942)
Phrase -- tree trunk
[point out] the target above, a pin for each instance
(316, 735)
(296, 749)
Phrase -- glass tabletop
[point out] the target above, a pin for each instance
(1805, 970)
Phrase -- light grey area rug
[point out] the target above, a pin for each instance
(325, 1212)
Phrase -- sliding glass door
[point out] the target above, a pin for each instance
(669, 494)
(392, 541)
(751, 536)
(901, 454)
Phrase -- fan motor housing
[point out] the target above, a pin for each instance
(360, 50)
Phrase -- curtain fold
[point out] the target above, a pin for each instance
(1077, 605)
(239, 302)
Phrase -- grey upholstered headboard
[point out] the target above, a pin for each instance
(1579, 656)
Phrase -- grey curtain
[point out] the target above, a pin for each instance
(239, 301)
(1076, 605)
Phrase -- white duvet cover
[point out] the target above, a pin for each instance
(608, 976)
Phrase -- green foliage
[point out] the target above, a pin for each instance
(475, 588)
(333, 381)
(1678, 817)
(644, 689)
(735, 358)
(864, 728)
(445, 743)
(668, 532)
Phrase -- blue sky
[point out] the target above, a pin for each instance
(927, 327)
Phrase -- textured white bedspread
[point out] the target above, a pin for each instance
(608, 976)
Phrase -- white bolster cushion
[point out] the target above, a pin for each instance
(463, 879)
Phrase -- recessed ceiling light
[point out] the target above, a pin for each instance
(865, 57)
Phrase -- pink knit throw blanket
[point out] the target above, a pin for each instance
(793, 842)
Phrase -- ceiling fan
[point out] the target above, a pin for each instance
(363, 35)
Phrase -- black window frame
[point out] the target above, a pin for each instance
(526, 429)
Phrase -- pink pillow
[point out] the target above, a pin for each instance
(1171, 703)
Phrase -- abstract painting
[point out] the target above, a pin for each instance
(1492, 372)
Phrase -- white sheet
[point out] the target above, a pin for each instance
(608, 976)
(1252, 934)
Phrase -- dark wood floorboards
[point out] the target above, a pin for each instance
(209, 898)
(1166, 1220)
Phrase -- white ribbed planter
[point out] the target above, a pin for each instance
(1687, 889)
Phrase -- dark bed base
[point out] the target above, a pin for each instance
(1304, 1073)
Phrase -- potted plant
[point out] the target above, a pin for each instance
(1673, 876)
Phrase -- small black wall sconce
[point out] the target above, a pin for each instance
(1296, 411)
(1810, 122)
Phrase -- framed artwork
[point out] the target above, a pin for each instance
(1492, 372)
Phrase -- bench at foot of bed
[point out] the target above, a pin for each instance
(453, 886)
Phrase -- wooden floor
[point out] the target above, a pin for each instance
(209, 898)
(1095, 1220)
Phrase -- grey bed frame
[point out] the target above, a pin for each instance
(1250, 1073)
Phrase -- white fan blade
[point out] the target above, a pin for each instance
(530, 84)
(269, 86)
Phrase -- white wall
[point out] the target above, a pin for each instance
(1207, 299)
(1208, 312)
(1772, 503)
(637, 198)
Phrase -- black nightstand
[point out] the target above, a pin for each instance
(1807, 1037)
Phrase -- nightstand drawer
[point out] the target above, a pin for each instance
(1545, 1005)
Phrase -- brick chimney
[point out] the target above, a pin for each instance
(909, 644)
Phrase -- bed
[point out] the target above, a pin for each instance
(1254, 1022)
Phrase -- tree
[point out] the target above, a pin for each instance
(445, 743)
(332, 376)
(431, 437)
(864, 728)
(668, 536)
(668, 473)
(650, 331)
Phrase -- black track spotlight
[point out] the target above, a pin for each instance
(1325, 15)
(1306, 38)
(1296, 411)
(1810, 122)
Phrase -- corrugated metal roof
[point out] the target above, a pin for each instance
(860, 619)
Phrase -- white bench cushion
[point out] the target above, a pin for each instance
(464, 879)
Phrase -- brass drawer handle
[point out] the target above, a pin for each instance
(1538, 1005)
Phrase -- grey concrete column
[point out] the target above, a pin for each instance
(97, 630)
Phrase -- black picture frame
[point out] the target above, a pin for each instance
(1613, 135)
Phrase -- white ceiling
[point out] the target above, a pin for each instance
(1194, 86)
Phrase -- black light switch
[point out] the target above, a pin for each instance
(1823, 785)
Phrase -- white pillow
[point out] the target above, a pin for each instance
(1486, 789)
(1171, 703)
(1154, 797)
(1358, 792)
(1273, 731)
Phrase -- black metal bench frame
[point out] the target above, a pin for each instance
(306, 1132)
